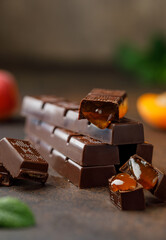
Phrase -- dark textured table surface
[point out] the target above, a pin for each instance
(62, 210)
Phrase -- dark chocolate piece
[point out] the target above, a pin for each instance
(101, 106)
(83, 177)
(22, 160)
(128, 200)
(5, 177)
(65, 115)
(144, 150)
(81, 149)
(159, 189)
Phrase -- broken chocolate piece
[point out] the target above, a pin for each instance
(83, 177)
(147, 175)
(132, 198)
(64, 115)
(101, 107)
(5, 177)
(22, 160)
(142, 171)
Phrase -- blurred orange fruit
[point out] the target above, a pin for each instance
(152, 108)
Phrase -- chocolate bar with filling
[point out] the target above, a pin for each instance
(83, 177)
(81, 149)
(65, 114)
(101, 106)
(147, 175)
(22, 160)
(126, 193)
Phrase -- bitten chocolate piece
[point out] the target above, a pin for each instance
(5, 177)
(22, 160)
(81, 149)
(131, 198)
(147, 175)
(101, 106)
(65, 114)
(83, 177)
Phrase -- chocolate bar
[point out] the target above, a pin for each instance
(102, 106)
(83, 177)
(22, 160)
(82, 149)
(147, 175)
(129, 197)
(65, 114)
(5, 177)
(85, 150)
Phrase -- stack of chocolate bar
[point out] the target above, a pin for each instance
(85, 143)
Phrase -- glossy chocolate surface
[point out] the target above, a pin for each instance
(22, 160)
(128, 200)
(83, 177)
(65, 114)
(122, 182)
(159, 189)
(101, 106)
(81, 149)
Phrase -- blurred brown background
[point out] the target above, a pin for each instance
(65, 47)
(73, 31)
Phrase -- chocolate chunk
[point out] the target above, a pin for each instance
(22, 160)
(145, 150)
(5, 177)
(147, 175)
(131, 199)
(83, 177)
(101, 107)
(81, 149)
(65, 115)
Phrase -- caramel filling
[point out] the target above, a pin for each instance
(122, 182)
(101, 116)
(145, 174)
(123, 107)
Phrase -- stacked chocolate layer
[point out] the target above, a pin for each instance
(77, 149)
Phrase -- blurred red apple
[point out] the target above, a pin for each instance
(9, 94)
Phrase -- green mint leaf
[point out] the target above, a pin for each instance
(15, 214)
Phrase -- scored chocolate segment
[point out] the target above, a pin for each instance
(83, 177)
(129, 199)
(102, 106)
(125, 131)
(33, 105)
(149, 176)
(22, 160)
(82, 149)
